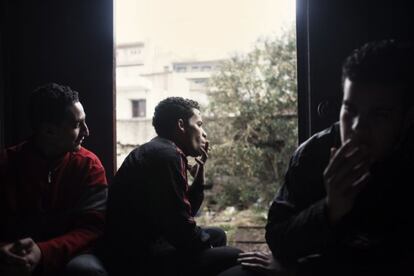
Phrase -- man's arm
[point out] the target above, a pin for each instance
(87, 223)
(173, 210)
(297, 221)
(314, 199)
(196, 190)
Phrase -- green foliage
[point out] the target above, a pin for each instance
(252, 123)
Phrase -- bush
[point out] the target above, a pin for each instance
(252, 123)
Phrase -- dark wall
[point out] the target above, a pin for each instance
(68, 42)
(327, 33)
(2, 91)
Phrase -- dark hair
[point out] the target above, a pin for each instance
(169, 111)
(386, 62)
(49, 103)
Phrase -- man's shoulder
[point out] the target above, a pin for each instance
(159, 149)
(17, 147)
(149, 156)
(86, 161)
(84, 154)
(12, 152)
(318, 145)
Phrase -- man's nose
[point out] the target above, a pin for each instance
(360, 125)
(85, 130)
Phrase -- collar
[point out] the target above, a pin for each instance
(170, 142)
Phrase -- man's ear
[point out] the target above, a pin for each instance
(180, 125)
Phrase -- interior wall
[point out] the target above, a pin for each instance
(68, 42)
(331, 30)
(2, 91)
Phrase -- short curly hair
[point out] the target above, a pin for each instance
(386, 62)
(49, 103)
(169, 111)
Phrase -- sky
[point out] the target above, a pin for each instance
(201, 29)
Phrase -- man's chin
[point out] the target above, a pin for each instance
(196, 153)
(76, 148)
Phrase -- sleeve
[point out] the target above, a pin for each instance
(196, 197)
(297, 222)
(173, 210)
(87, 222)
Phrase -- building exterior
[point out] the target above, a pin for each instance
(144, 78)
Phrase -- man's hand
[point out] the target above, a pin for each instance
(345, 176)
(262, 262)
(20, 257)
(197, 171)
(29, 250)
(8, 256)
(12, 264)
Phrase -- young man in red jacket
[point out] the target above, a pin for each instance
(52, 191)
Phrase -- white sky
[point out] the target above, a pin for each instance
(204, 29)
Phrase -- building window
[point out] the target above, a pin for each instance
(206, 68)
(181, 68)
(200, 81)
(138, 108)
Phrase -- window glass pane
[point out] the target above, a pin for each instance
(237, 58)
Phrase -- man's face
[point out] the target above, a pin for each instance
(195, 136)
(73, 130)
(372, 115)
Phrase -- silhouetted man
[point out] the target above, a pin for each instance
(345, 206)
(151, 228)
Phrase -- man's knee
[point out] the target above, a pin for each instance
(217, 236)
(85, 265)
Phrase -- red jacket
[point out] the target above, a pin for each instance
(60, 206)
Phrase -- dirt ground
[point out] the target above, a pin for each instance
(244, 229)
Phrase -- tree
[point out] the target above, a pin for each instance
(252, 122)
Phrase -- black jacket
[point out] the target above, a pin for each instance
(376, 232)
(151, 207)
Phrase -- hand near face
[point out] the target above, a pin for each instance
(197, 171)
(345, 176)
(204, 154)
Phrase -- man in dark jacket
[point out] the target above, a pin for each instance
(344, 208)
(52, 192)
(151, 208)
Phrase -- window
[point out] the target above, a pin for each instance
(138, 108)
(206, 68)
(194, 48)
(200, 81)
(181, 68)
